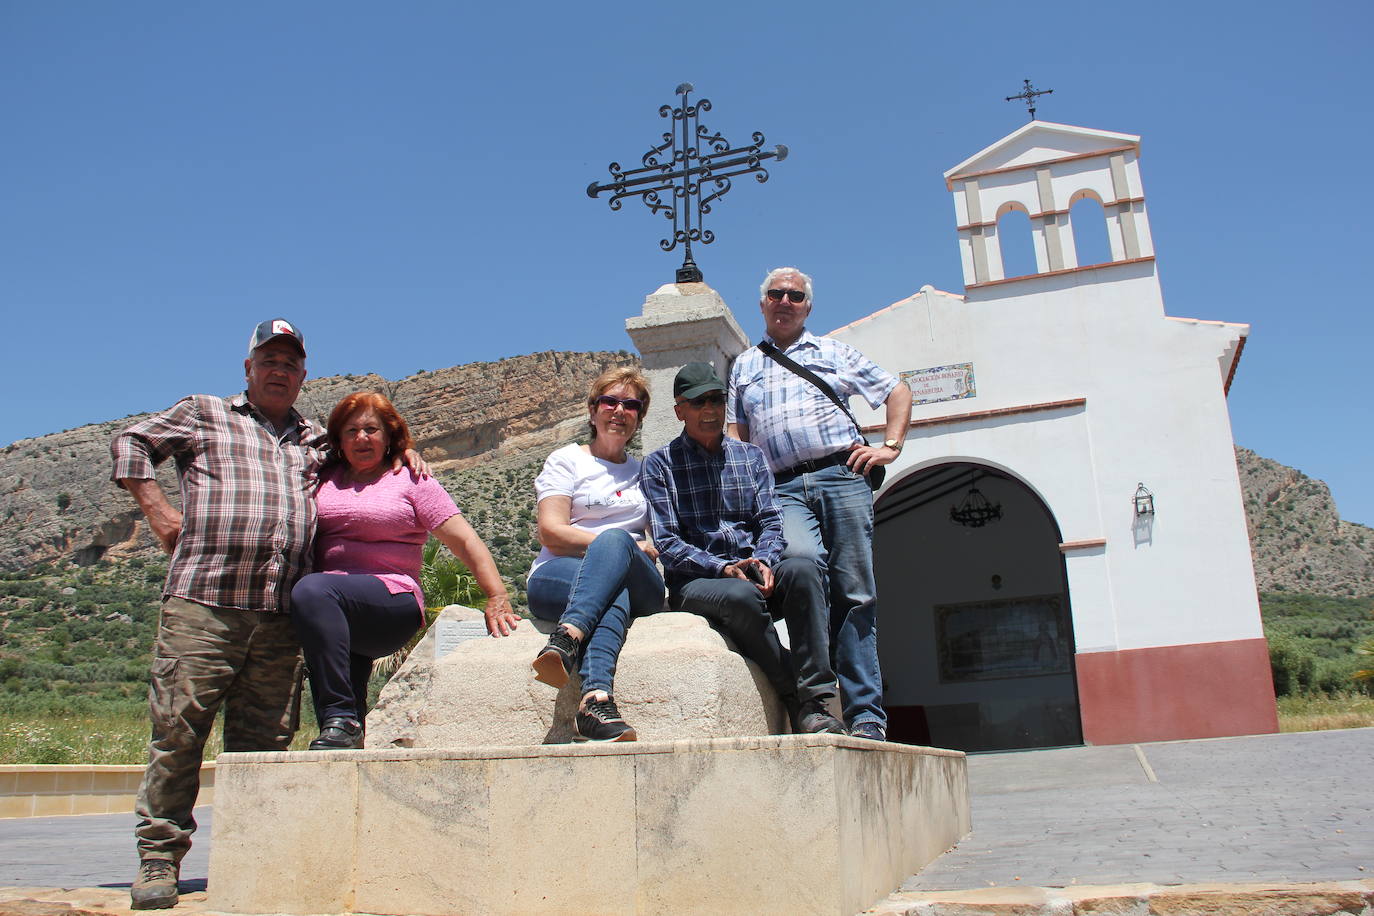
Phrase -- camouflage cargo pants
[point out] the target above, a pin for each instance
(246, 661)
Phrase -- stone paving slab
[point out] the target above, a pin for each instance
(1346, 898)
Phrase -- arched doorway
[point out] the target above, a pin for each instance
(976, 637)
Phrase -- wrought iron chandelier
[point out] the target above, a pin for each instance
(975, 511)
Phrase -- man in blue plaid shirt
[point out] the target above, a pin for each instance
(718, 530)
(820, 460)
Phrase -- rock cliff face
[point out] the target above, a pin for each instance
(1299, 542)
(486, 426)
(56, 499)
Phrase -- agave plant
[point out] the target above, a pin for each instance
(1366, 649)
(445, 580)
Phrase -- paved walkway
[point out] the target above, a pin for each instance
(87, 850)
(1275, 808)
(1272, 808)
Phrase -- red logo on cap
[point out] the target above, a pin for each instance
(282, 327)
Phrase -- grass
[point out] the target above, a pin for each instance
(106, 738)
(1319, 712)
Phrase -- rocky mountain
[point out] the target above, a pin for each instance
(1299, 542)
(486, 427)
(494, 420)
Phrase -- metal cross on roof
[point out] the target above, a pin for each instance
(673, 184)
(1029, 95)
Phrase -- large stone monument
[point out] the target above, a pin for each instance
(467, 798)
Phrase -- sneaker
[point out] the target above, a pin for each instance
(871, 731)
(155, 888)
(813, 719)
(339, 733)
(599, 720)
(554, 663)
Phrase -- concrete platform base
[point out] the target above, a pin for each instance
(782, 824)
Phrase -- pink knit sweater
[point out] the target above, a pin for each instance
(379, 528)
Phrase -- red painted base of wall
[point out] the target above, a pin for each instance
(1204, 690)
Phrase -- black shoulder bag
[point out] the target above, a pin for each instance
(876, 472)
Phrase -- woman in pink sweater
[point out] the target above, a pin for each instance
(364, 602)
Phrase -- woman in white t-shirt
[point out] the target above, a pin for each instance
(596, 570)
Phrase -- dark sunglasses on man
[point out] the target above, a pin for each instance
(793, 295)
(631, 405)
(715, 398)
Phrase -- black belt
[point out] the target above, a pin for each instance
(815, 464)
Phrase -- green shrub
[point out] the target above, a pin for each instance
(1294, 669)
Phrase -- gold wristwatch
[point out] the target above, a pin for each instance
(894, 444)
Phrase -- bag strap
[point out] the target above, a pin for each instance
(771, 351)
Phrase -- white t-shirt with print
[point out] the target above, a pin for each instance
(604, 494)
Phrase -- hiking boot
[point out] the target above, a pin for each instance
(870, 731)
(599, 720)
(554, 663)
(814, 719)
(155, 888)
(339, 733)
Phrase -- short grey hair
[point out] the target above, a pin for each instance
(779, 271)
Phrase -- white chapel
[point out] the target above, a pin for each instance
(1108, 594)
(1061, 547)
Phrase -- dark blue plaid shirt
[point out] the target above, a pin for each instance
(707, 511)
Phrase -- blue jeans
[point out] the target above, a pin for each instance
(598, 594)
(828, 517)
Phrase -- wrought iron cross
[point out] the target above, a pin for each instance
(1029, 95)
(692, 178)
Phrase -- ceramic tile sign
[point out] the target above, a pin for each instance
(941, 383)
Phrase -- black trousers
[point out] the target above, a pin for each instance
(739, 610)
(344, 623)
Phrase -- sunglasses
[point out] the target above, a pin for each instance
(631, 405)
(715, 398)
(793, 295)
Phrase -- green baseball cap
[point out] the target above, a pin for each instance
(696, 379)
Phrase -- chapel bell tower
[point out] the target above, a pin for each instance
(1044, 170)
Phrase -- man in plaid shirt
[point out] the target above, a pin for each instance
(718, 530)
(243, 537)
(820, 460)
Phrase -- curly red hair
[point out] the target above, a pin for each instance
(397, 433)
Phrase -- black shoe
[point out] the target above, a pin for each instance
(339, 733)
(599, 720)
(813, 719)
(155, 888)
(870, 731)
(554, 663)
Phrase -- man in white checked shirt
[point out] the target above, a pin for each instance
(820, 463)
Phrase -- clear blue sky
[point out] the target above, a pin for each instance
(406, 181)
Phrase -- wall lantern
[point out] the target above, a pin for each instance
(1144, 501)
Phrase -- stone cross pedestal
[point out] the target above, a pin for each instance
(681, 323)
